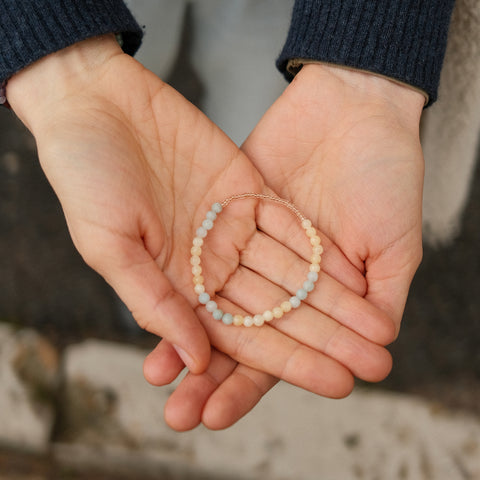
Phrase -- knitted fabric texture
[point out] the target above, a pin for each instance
(31, 29)
(405, 40)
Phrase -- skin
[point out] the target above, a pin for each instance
(136, 167)
(345, 146)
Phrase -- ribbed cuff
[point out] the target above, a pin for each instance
(404, 40)
(32, 29)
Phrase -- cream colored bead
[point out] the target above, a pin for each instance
(198, 280)
(278, 312)
(317, 250)
(286, 306)
(311, 232)
(238, 320)
(196, 250)
(196, 270)
(195, 260)
(248, 321)
(314, 267)
(199, 288)
(258, 320)
(315, 259)
(268, 315)
(314, 241)
(306, 223)
(198, 242)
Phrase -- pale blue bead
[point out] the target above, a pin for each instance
(211, 215)
(308, 285)
(207, 224)
(301, 294)
(204, 298)
(216, 207)
(312, 276)
(217, 314)
(227, 318)
(211, 306)
(201, 232)
(295, 302)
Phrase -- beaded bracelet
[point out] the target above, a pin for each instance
(267, 316)
(3, 94)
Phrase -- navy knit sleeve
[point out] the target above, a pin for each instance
(402, 39)
(31, 29)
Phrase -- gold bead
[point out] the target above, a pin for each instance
(286, 306)
(238, 320)
(198, 280)
(196, 270)
(306, 223)
(277, 312)
(196, 250)
(198, 242)
(195, 260)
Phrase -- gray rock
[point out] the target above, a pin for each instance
(29, 378)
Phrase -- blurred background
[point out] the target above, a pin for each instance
(47, 287)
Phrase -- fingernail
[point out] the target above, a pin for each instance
(186, 358)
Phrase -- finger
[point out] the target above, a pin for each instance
(163, 365)
(389, 277)
(270, 351)
(310, 327)
(156, 306)
(183, 410)
(235, 397)
(284, 268)
(287, 230)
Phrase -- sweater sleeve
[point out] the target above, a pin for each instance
(401, 39)
(31, 29)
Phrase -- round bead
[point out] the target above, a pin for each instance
(306, 223)
(207, 224)
(201, 232)
(315, 240)
(199, 288)
(258, 320)
(217, 314)
(203, 298)
(196, 270)
(211, 215)
(286, 306)
(198, 279)
(211, 306)
(195, 260)
(217, 208)
(315, 259)
(248, 321)
(301, 294)
(308, 285)
(317, 250)
(196, 250)
(198, 242)
(311, 232)
(238, 320)
(314, 267)
(295, 302)
(268, 315)
(312, 276)
(227, 318)
(277, 312)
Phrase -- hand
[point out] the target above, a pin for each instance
(136, 167)
(345, 146)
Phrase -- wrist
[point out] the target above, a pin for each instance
(34, 91)
(361, 88)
